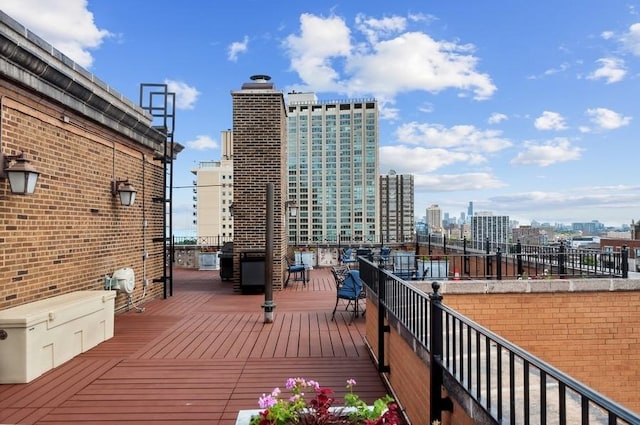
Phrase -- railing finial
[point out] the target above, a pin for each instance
(437, 297)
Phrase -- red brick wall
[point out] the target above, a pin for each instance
(72, 232)
(592, 336)
(410, 375)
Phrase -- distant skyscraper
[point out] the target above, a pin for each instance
(470, 210)
(486, 226)
(397, 220)
(434, 219)
(213, 193)
(332, 169)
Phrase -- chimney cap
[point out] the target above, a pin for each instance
(260, 78)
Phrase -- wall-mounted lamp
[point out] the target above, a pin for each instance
(22, 175)
(231, 209)
(125, 190)
(292, 207)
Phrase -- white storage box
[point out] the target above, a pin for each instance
(41, 335)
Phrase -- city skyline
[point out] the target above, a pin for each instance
(528, 110)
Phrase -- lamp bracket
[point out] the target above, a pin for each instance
(114, 185)
(5, 160)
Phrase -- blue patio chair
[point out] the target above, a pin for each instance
(347, 257)
(385, 253)
(299, 272)
(350, 289)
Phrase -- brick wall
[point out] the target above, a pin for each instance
(592, 336)
(259, 146)
(72, 232)
(410, 374)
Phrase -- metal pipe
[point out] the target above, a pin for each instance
(268, 305)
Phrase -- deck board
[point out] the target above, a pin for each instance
(200, 356)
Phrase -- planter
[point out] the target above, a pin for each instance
(244, 416)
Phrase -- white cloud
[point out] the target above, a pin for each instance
(238, 47)
(425, 148)
(186, 96)
(461, 137)
(611, 69)
(456, 182)
(550, 121)
(374, 28)
(388, 113)
(606, 119)
(426, 107)
(631, 39)
(320, 40)
(547, 153)
(202, 142)
(66, 24)
(422, 162)
(607, 35)
(551, 71)
(497, 118)
(418, 159)
(388, 61)
(586, 198)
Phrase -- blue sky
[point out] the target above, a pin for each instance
(528, 109)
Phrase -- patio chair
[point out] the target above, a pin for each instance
(347, 257)
(349, 289)
(339, 273)
(299, 272)
(385, 253)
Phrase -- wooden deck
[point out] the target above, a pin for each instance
(200, 356)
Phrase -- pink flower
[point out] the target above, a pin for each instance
(266, 401)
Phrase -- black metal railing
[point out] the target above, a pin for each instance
(203, 241)
(351, 240)
(508, 383)
(518, 262)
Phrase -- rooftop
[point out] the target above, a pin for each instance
(200, 356)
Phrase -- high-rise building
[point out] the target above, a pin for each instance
(470, 210)
(397, 220)
(529, 235)
(213, 193)
(486, 226)
(332, 169)
(434, 219)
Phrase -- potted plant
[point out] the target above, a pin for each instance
(308, 403)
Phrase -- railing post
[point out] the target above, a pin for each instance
(444, 244)
(487, 247)
(520, 268)
(429, 243)
(435, 357)
(561, 261)
(382, 327)
(625, 262)
(499, 264)
(467, 268)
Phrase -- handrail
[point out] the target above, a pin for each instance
(491, 369)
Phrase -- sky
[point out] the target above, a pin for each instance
(527, 109)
